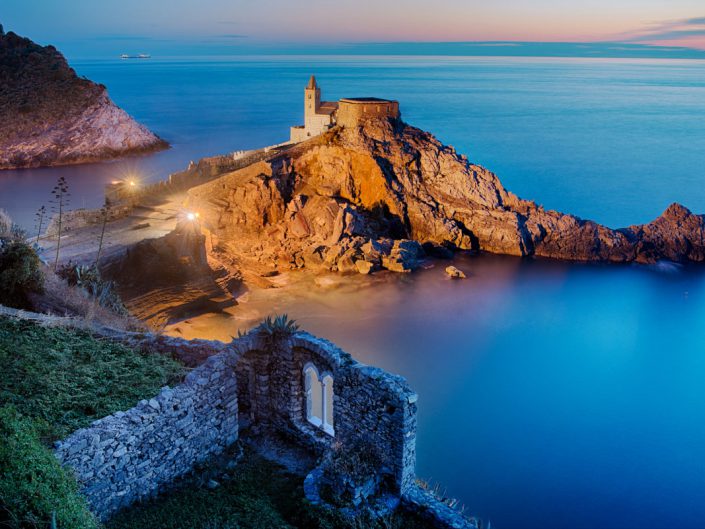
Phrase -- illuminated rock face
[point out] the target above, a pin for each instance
(50, 116)
(379, 191)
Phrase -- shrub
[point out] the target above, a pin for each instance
(351, 473)
(20, 273)
(34, 489)
(89, 280)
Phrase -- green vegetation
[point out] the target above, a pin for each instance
(20, 273)
(34, 489)
(88, 279)
(56, 380)
(258, 495)
(66, 378)
(278, 328)
(20, 267)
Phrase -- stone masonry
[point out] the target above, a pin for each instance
(133, 455)
(257, 381)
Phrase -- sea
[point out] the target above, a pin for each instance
(551, 394)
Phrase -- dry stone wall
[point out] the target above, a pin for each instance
(132, 455)
(369, 405)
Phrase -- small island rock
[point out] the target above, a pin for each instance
(455, 273)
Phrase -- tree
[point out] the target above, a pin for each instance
(104, 214)
(60, 201)
(39, 216)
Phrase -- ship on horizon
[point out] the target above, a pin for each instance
(139, 56)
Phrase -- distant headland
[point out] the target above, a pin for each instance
(355, 190)
(51, 116)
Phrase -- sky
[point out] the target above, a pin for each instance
(234, 24)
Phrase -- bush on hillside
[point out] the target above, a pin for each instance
(34, 489)
(20, 273)
(20, 267)
(88, 279)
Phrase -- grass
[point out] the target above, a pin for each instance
(57, 379)
(258, 494)
(34, 489)
(65, 378)
(54, 381)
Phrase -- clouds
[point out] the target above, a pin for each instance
(672, 31)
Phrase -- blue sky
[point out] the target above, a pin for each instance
(242, 25)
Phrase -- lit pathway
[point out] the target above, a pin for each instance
(144, 222)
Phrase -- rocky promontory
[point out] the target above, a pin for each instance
(50, 116)
(384, 194)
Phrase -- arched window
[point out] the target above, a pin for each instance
(327, 384)
(319, 398)
(314, 396)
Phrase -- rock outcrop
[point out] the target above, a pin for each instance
(383, 194)
(50, 116)
(169, 277)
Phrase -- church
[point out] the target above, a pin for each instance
(319, 116)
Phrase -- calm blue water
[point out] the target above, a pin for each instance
(551, 394)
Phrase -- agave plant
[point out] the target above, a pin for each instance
(278, 328)
(88, 278)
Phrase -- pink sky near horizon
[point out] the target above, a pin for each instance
(660, 22)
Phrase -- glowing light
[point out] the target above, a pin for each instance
(192, 216)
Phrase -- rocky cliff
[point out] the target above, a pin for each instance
(50, 116)
(383, 194)
(168, 277)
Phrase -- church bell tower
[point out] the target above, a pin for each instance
(312, 100)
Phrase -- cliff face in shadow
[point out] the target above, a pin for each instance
(50, 116)
(169, 277)
(382, 194)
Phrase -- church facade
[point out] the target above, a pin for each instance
(319, 116)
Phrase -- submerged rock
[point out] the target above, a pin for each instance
(455, 273)
(50, 116)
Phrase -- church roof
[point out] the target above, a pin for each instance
(366, 100)
(312, 82)
(327, 107)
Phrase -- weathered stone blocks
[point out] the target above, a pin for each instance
(133, 455)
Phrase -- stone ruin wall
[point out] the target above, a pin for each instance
(133, 455)
(368, 403)
(352, 112)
